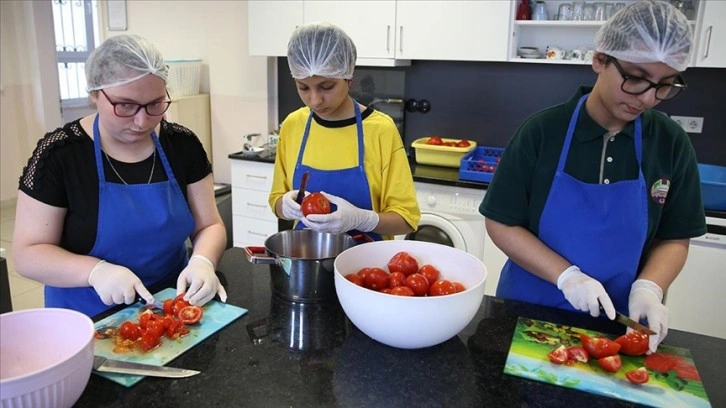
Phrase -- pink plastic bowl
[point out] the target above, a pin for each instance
(410, 322)
(46, 357)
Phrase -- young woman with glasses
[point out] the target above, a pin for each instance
(107, 202)
(595, 200)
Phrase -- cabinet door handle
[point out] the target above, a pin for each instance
(256, 205)
(256, 233)
(388, 38)
(257, 177)
(708, 42)
(400, 40)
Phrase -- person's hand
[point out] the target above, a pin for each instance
(585, 293)
(203, 282)
(347, 217)
(290, 208)
(646, 301)
(116, 284)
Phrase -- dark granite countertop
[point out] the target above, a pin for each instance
(313, 357)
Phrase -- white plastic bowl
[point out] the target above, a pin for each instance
(410, 322)
(46, 357)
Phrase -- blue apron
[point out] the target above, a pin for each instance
(599, 227)
(140, 226)
(350, 184)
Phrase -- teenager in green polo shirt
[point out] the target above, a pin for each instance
(595, 200)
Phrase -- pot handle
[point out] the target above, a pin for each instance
(258, 255)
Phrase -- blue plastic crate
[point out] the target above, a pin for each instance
(480, 164)
(713, 186)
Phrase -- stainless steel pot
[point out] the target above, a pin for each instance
(301, 263)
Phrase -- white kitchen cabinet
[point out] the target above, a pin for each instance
(193, 112)
(452, 30)
(252, 218)
(270, 25)
(695, 298)
(370, 24)
(711, 51)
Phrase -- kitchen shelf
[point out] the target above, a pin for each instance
(548, 61)
(557, 23)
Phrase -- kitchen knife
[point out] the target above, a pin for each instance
(301, 191)
(103, 364)
(621, 318)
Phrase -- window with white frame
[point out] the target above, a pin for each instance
(76, 36)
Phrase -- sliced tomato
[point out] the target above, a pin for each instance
(149, 341)
(156, 327)
(633, 343)
(662, 363)
(638, 376)
(599, 347)
(578, 353)
(610, 363)
(168, 306)
(129, 331)
(179, 304)
(558, 355)
(190, 314)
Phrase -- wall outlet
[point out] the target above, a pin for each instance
(691, 124)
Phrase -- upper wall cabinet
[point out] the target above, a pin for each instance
(270, 25)
(452, 30)
(711, 51)
(390, 32)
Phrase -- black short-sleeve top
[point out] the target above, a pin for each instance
(62, 173)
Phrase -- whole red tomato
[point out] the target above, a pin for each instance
(633, 343)
(315, 203)
(129, 331)
(404, 263)
(402, 291)
(395, 279)
(376, 279)
(463, 143)
(355, 278)
(430, 272)
(418, 284)
(599, 347)
(458, 286)
(442, 287)
(434, 140)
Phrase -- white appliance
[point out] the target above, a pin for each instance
(695, 298)
(450, 216)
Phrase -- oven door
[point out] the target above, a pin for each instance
(436, 229)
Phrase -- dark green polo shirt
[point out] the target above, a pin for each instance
(521, 184)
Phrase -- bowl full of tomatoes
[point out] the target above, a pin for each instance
(421, 309)
(440, 151)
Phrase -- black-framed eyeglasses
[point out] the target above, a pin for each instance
(634, 85)
(129, 109)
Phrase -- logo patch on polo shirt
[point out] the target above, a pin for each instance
(659, 190)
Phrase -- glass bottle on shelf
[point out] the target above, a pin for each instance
(523, 11)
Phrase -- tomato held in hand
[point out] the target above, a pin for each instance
(599, 347)
(190, 314)
(418, 284)
(638, 376)
(633, 343)
(404, 263)
(315, 203)
(610, 363)
(430, 272)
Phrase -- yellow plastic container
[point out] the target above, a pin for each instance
(436, 155)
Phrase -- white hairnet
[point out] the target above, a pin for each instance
(647, 31)
(321, 49)
(122, 59)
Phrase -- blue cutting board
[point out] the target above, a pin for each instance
(533, 339)
(216, 316)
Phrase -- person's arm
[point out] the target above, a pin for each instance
(36, 250)
(664, 262)
(198, 280)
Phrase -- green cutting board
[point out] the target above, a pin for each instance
(534, 339)
(216, 316)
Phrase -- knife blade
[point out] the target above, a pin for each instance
(621, 318)
(301, 191)
(103, 364)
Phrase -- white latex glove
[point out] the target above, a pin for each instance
(116, 284)
(585, 293)
(346, 218)
(290, 208)
(646, 300)
(203, 282)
